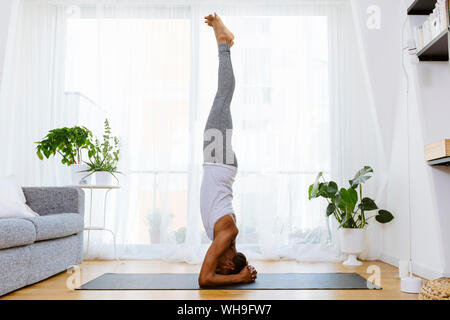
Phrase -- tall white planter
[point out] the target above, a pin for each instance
(352, 241)
(103, 178)
(79, 177)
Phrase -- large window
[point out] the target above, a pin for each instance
(156, 78)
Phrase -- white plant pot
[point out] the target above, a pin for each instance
(103, 178)
(79, 177)
(352, 241)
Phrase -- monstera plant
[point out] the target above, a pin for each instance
(348, 205)
(351, 210)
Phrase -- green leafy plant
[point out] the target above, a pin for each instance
(104, 156)
(343, 203)
(68, 142)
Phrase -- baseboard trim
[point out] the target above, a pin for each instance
(418, 269)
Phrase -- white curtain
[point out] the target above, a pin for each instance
(32, 99)
(300, 106)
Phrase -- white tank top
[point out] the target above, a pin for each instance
(216, 194)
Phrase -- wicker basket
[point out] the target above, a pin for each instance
(438, 289)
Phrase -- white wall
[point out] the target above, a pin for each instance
(431, 97)
(428, 113)
(5, 14)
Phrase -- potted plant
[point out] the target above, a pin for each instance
(155, 219)
(344, 207)
(103, 158)
(69, 143)
(180, 235)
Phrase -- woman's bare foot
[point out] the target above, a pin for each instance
(223, 35)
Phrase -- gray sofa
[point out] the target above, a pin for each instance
(33, 249)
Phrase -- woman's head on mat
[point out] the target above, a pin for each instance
(231, 262)
(240, 261)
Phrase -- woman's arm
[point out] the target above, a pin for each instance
(208, 276)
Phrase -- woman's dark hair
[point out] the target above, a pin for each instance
(240, 261)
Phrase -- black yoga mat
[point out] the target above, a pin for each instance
(265, 281)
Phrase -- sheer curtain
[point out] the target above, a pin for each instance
(300, 107)
(32, 100)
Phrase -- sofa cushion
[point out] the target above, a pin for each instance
(16, 232)
(55, 226)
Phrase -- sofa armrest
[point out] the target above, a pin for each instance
(52, 200)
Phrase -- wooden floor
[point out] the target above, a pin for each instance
(56, 288)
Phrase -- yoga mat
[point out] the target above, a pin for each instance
(265, 281)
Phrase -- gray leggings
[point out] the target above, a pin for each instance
(219, 127)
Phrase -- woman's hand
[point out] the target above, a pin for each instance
(248, 274)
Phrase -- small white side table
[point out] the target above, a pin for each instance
(103, 228)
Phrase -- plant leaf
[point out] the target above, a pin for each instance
(367, 204)
(314, 193)
(331, 188)
(330, 209)
(353, 196)
(338, 201)
(39, 154)
(349, 198)
(361, 176)
(384, 216)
